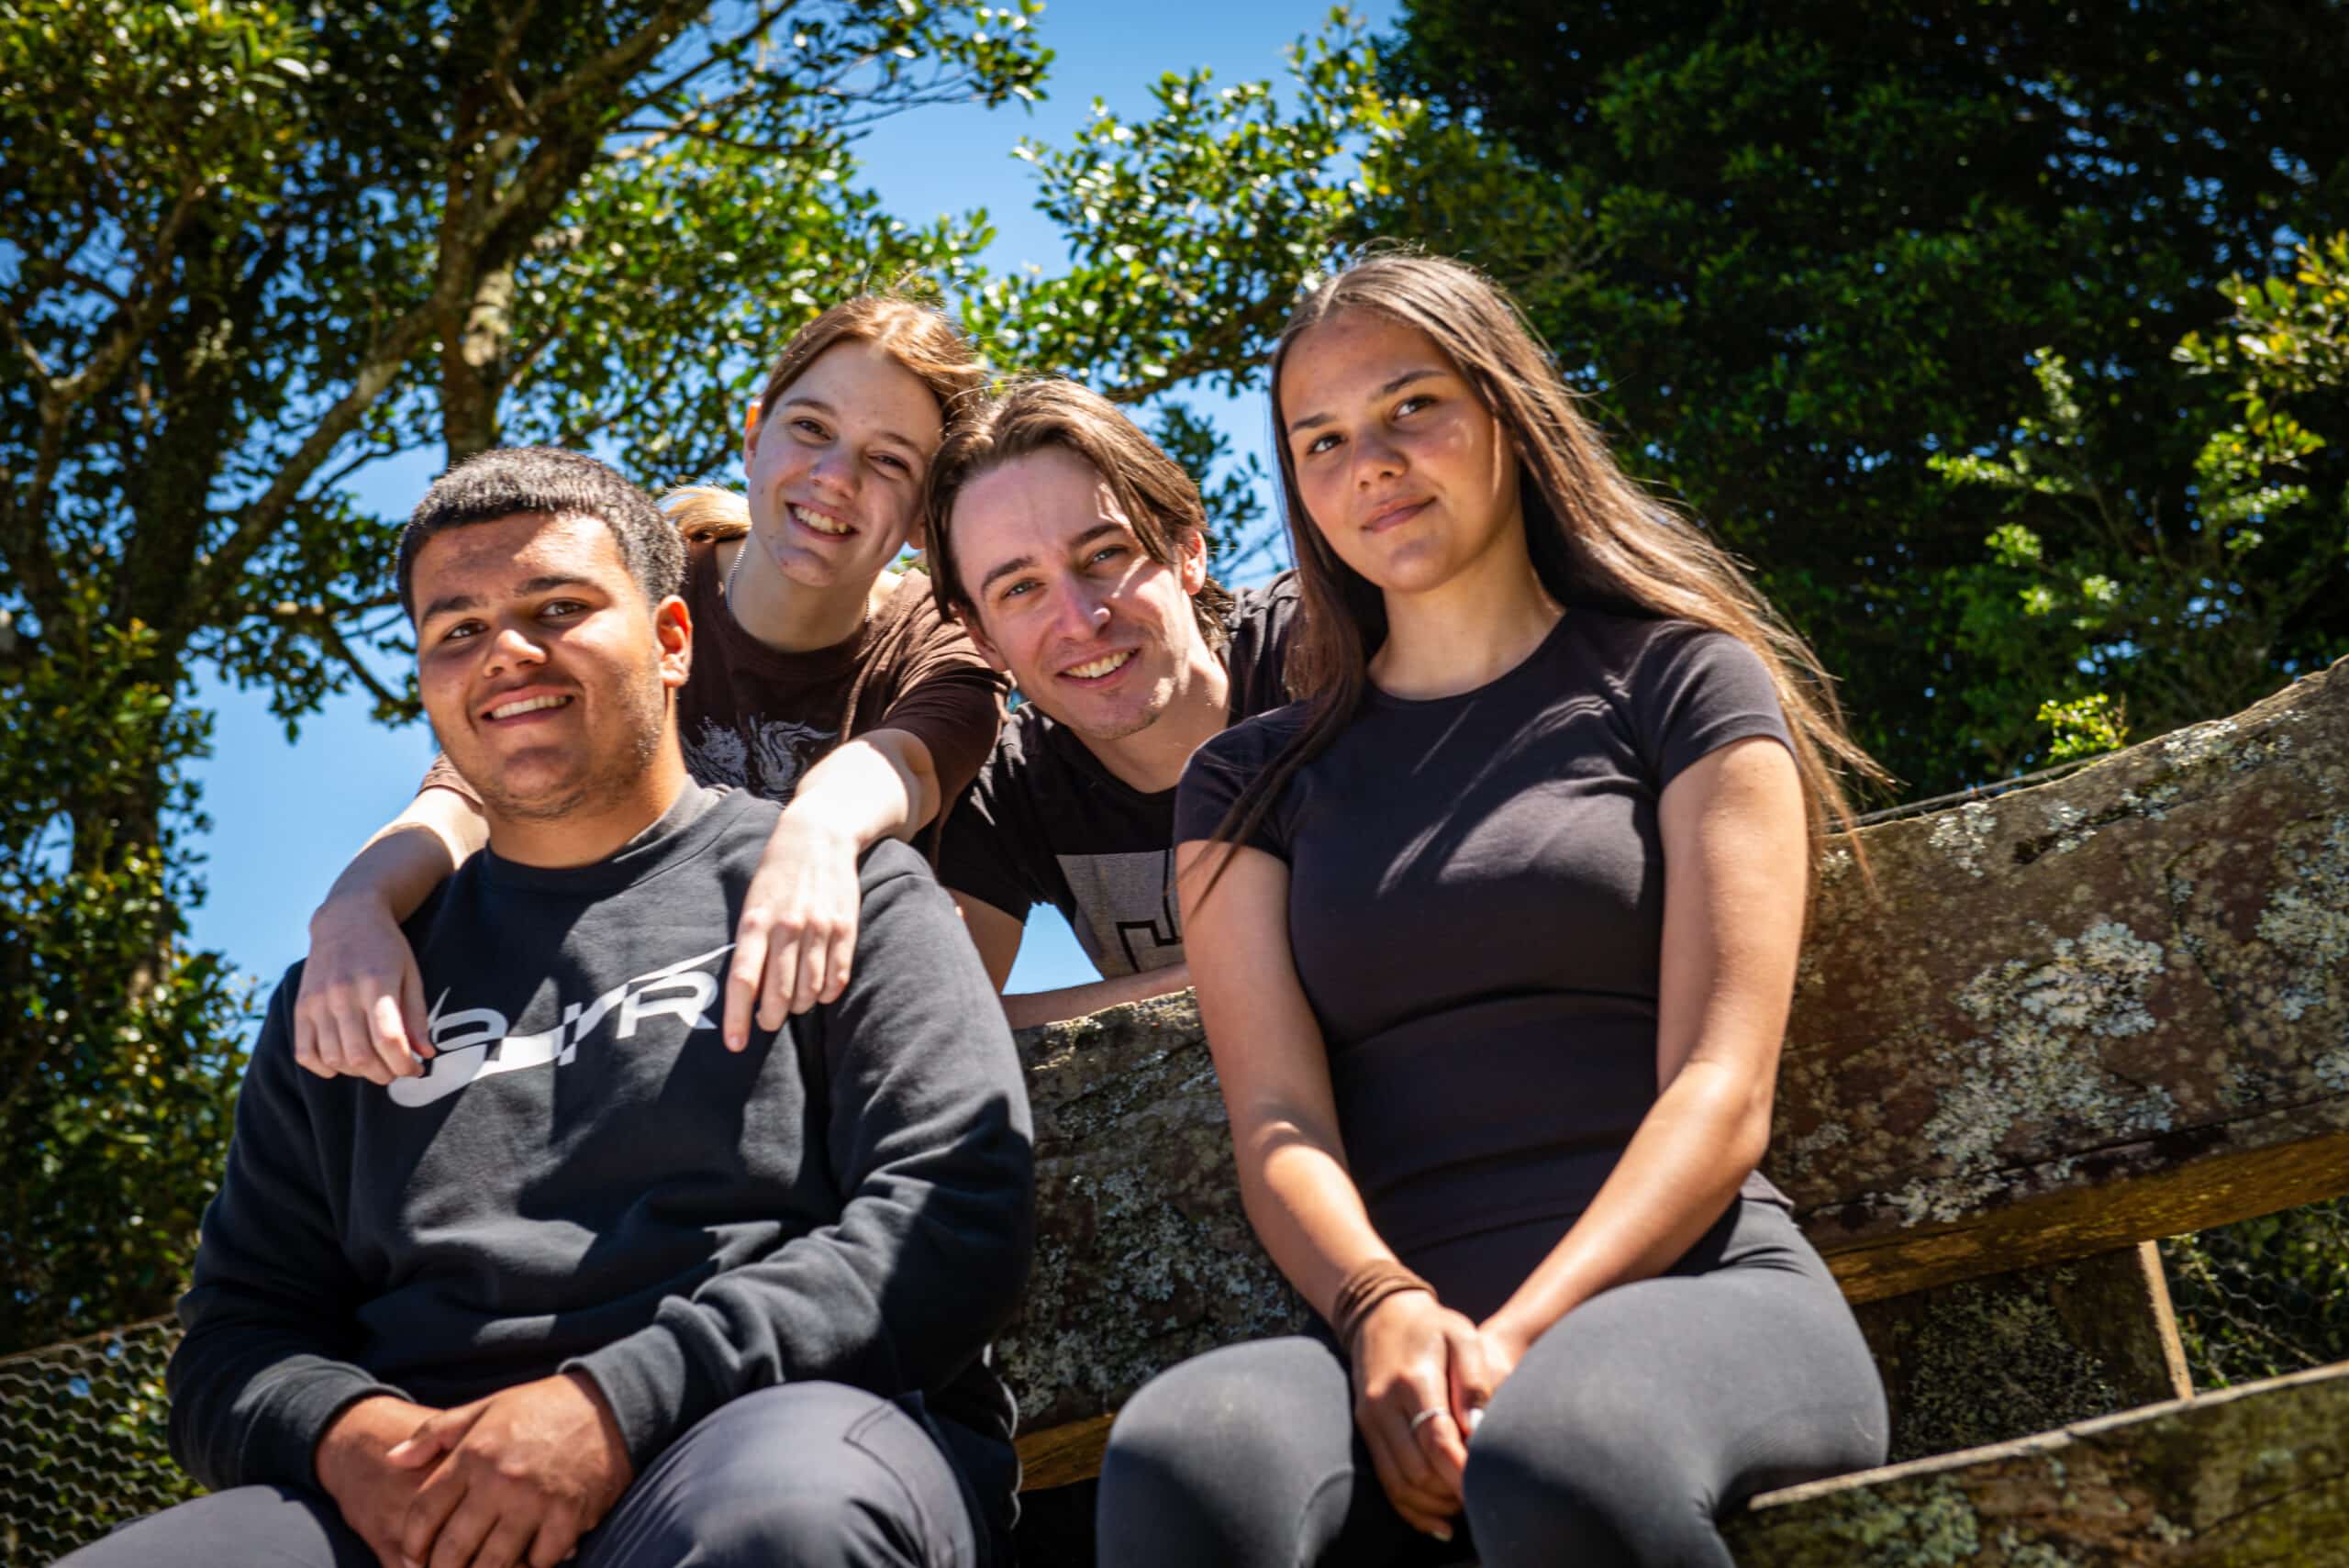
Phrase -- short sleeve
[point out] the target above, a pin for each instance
(1218, 774)
(1694, 692)
(443, 774)
(1262, 624)
(945, 696)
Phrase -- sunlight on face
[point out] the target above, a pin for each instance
(1096, 632)
(835, 467)
(1402, 469)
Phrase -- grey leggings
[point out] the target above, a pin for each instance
(1626, 1429)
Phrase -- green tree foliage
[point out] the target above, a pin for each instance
(2174, 618)
(115, 1065)
(246, 253)
(1798, 251)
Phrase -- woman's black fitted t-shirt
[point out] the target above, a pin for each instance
(1476, 913)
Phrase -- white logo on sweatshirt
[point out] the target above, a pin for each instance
(471, 1042)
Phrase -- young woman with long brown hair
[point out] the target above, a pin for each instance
(820, 679)
(1494, 937)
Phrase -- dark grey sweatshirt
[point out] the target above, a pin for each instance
(587, 1178)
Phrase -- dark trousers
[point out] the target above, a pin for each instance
(804, 1475)
(1622, 1434)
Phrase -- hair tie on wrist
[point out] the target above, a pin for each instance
(1363, 1289)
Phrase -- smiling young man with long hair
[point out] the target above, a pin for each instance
(1075, 552)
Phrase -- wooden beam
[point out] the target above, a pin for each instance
(2084, 1014)
(1064, 1454)
(2140, 1192)
(2256, 1476)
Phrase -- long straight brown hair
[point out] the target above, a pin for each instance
(1596, 539)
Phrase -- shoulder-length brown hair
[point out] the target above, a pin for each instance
(1159, 499)
(1596, 539)
(919, 337)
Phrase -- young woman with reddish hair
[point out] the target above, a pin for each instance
(820, 679)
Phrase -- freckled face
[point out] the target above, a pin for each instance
(543, 671)
(1401, 468)
(835, 468)
(1095, 630)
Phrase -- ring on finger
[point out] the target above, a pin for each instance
(1424, 1417)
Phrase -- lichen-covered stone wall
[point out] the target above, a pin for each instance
(1143, 1257)
(2062, 1020)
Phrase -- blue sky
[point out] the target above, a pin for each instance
(285, 818)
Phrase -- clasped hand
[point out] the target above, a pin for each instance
(1423, 1375)
(518, 1477)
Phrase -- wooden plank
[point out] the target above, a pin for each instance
(2249, 1477)
(2140, 1192)
(2124, 1317)
(1064, 1454)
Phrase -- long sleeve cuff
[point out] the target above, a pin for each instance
(653, 1386)
(282, 1443)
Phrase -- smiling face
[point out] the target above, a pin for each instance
(835, 467)
(544, 673)
(1402, 469)
(1095, 632)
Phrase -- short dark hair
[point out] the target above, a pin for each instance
(560, 483)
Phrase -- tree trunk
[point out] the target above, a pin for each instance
(473, 365)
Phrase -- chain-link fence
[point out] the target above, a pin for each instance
(82, 1442)
(82, 1449)
(2263, 1297)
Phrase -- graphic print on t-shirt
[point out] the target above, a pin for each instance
(1126, 918)
(473, 1042)
(765, 756)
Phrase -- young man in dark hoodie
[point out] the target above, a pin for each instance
(591, 1287)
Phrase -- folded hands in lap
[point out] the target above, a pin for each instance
(1423, 1375)
(516, 1478)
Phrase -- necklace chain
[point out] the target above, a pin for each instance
(736, 570)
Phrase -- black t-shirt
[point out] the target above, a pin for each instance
(1476, 913)
(1045, 823)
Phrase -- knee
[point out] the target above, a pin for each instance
(1194, 1471)
(1570, 1483)
(817, 1476)
(792, 1523)
(1186, 1427)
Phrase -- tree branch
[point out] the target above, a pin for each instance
(732, 49)
(319, 619)
(331, 638)
(140, 313)
(24, 346)
(793, 149)
(263, 517)
(619, 63)
(531, 358)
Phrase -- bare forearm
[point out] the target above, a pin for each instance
(1692, 1151)
(1306, 1211)
(412, 854)
(1029, 1008)
(879, 786)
